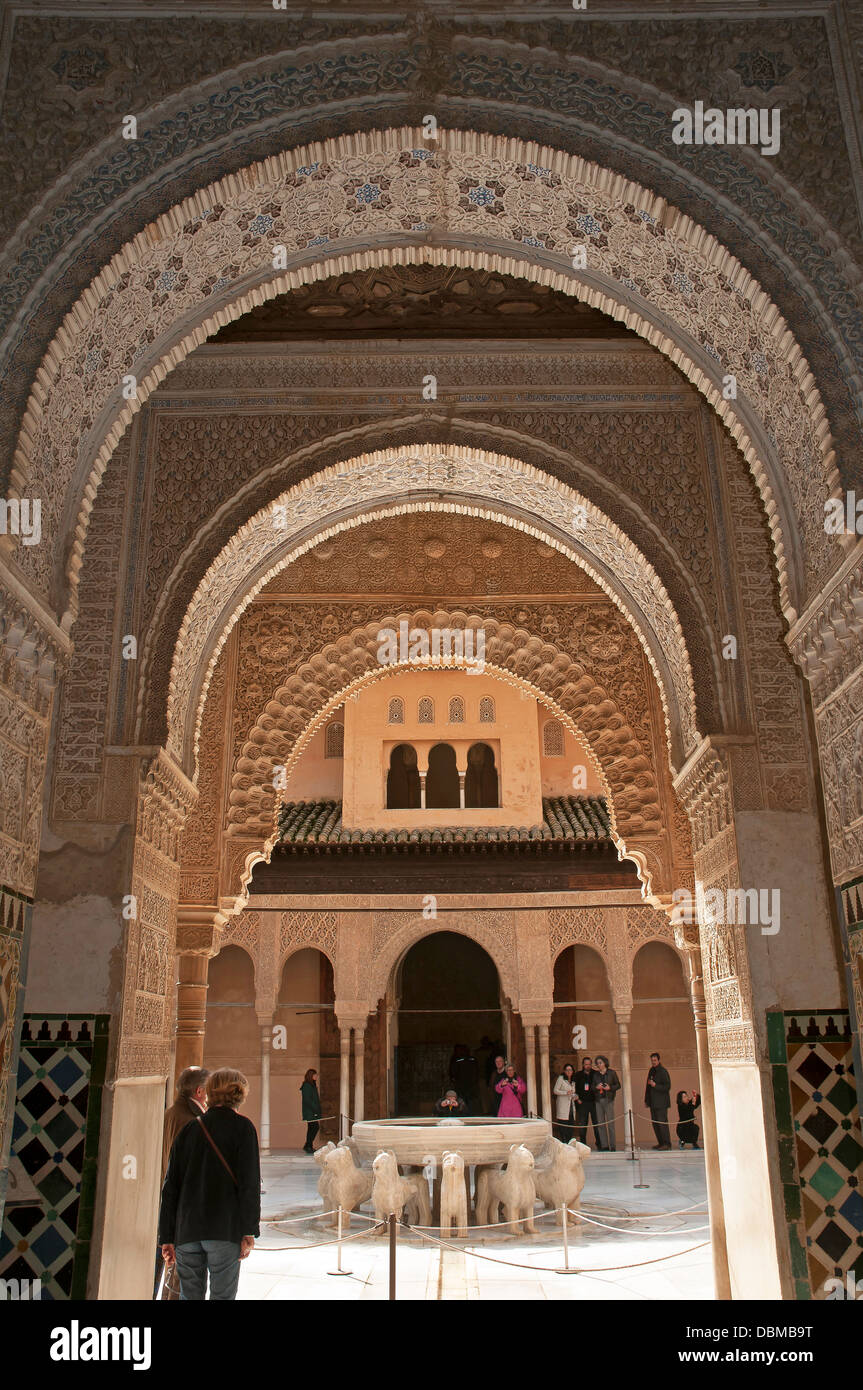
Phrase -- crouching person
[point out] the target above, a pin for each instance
(211, 1199)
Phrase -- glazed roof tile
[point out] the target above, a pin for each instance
(566, 820)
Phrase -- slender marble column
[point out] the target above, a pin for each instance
(625, 1074)
(545, 1072)
(344, 1080)
(359, 1074)
(266, 1050)
(530, 1048)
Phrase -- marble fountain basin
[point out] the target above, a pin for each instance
(416, 1140)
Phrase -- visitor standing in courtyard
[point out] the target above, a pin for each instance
(585, 1103)
(511, 1089)
(211, 1200)
(190, 1103)
(564, 1104)
(311, 1108)
(687, 1130)
(497, 1072)
(606, 1084)
(657, 1096)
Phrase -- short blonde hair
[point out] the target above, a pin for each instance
(227, 1087)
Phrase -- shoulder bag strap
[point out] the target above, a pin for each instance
(218, 1152)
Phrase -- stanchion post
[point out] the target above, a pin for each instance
(338, 1269)
(566, 1269)
(631, 1137)
(393, 1231)
(636, 1153)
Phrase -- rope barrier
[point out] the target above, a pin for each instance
(322, 1244)
(548, 1269)
(660, 1215)
(689, 1232)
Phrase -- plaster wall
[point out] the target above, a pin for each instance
(76, 957)
(796, 967)
(556, 773)
(316, 777)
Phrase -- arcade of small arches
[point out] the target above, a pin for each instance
(257, 592)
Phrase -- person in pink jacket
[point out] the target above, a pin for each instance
(510, 1089)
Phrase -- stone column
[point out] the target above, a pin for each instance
(530, 1066)
(422, 777)
(545, 1073)
(134, 1103)
(461, 778)
(686, 935)
(742, 851)
(359, 1074)
(344, 1080)
(625, 1072)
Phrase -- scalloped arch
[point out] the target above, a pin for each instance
(650, 266)
(304, 703)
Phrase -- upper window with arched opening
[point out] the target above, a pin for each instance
(403, 779)
(442, 790)
(552, 739)
(396, 712)
(456, 710)
(425, 711)
(486, 710)
(481, 782)
(335, 741)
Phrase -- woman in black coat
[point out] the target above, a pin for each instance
(211, 1199)
(687, 1129)
(311, 1108)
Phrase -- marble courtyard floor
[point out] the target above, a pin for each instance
(676, 1182)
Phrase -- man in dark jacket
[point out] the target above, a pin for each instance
(497, 1072)
(585, 1102)
(657, 1096)
(211, 1200)
(190, 1103)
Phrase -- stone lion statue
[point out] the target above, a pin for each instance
(511, 1187)
(559, 1175)
(391, 1193)
(453, 1196)
(342, 1183)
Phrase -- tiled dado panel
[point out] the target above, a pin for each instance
(48, 1220)
(821, 1153)
(15, 914)
(850, 903)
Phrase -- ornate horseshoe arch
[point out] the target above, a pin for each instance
(499, 204)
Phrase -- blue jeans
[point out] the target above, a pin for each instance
(221, 1258)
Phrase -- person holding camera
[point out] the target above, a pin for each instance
(687, 1130)
(450, 1104)
(510, 1088)
(606, 1084)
